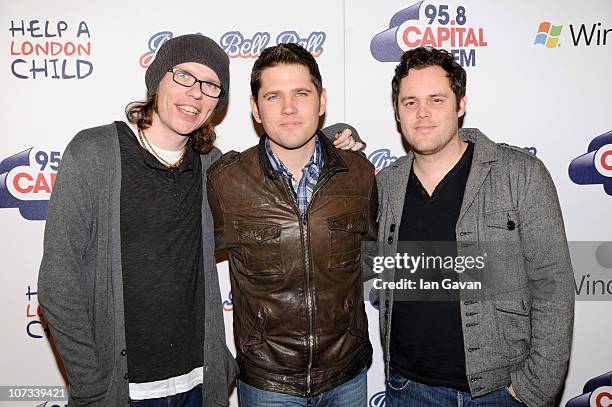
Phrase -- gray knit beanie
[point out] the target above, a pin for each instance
(189, 48)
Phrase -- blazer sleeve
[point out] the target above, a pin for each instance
(331, 131)
(551, 284)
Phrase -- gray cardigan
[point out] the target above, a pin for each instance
(520, 330)
(80, 285)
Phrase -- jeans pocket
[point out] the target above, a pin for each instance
(396, 381)
(516, 401)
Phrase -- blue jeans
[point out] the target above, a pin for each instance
(353, 393)
(401, 392)
(191, 398)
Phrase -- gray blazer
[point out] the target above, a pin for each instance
(80, 284)
(519, 330)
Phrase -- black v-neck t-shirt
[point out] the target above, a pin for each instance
(426, 331)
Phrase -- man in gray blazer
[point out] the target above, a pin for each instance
(504, 337)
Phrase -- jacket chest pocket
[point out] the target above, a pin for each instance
(260, 247)
(502, 232)
(346, 232)
(503, 248)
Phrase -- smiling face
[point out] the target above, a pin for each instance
(427, 110)
(288, 106)
(182, 110)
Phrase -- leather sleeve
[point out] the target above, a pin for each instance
(373, 213)
(369, 244)
(216, 208)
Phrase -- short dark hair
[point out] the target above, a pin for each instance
(424, 57)
(284, 54)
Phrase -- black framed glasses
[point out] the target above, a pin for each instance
(186, 79)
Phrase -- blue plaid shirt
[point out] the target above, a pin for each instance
(310, 174)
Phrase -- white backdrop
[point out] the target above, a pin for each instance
(552, 100)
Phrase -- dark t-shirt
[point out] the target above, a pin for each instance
(426, 331)
(161, 256)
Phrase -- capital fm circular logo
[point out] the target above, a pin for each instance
(228, 304)
(426, 23)
(594, 167)
(26, 181)
(597, 392)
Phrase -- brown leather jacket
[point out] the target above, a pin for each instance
(299, 320)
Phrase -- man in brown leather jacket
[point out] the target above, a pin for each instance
(292, 212)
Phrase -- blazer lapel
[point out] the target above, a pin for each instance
(485, 151)
(397, 191)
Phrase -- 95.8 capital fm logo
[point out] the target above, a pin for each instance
(26, 181)
(438, 25)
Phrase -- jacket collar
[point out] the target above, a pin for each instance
(485, 151)
(332, 162)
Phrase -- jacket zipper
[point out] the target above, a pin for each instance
(309, 301)
(303, 234)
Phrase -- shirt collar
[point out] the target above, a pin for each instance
(151, 161)
(316, 159)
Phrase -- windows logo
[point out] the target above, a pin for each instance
(548, 34)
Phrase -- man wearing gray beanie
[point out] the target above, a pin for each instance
(128, 280)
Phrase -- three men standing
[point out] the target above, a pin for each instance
(128, 237)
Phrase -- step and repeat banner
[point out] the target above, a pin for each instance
(539, 77)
